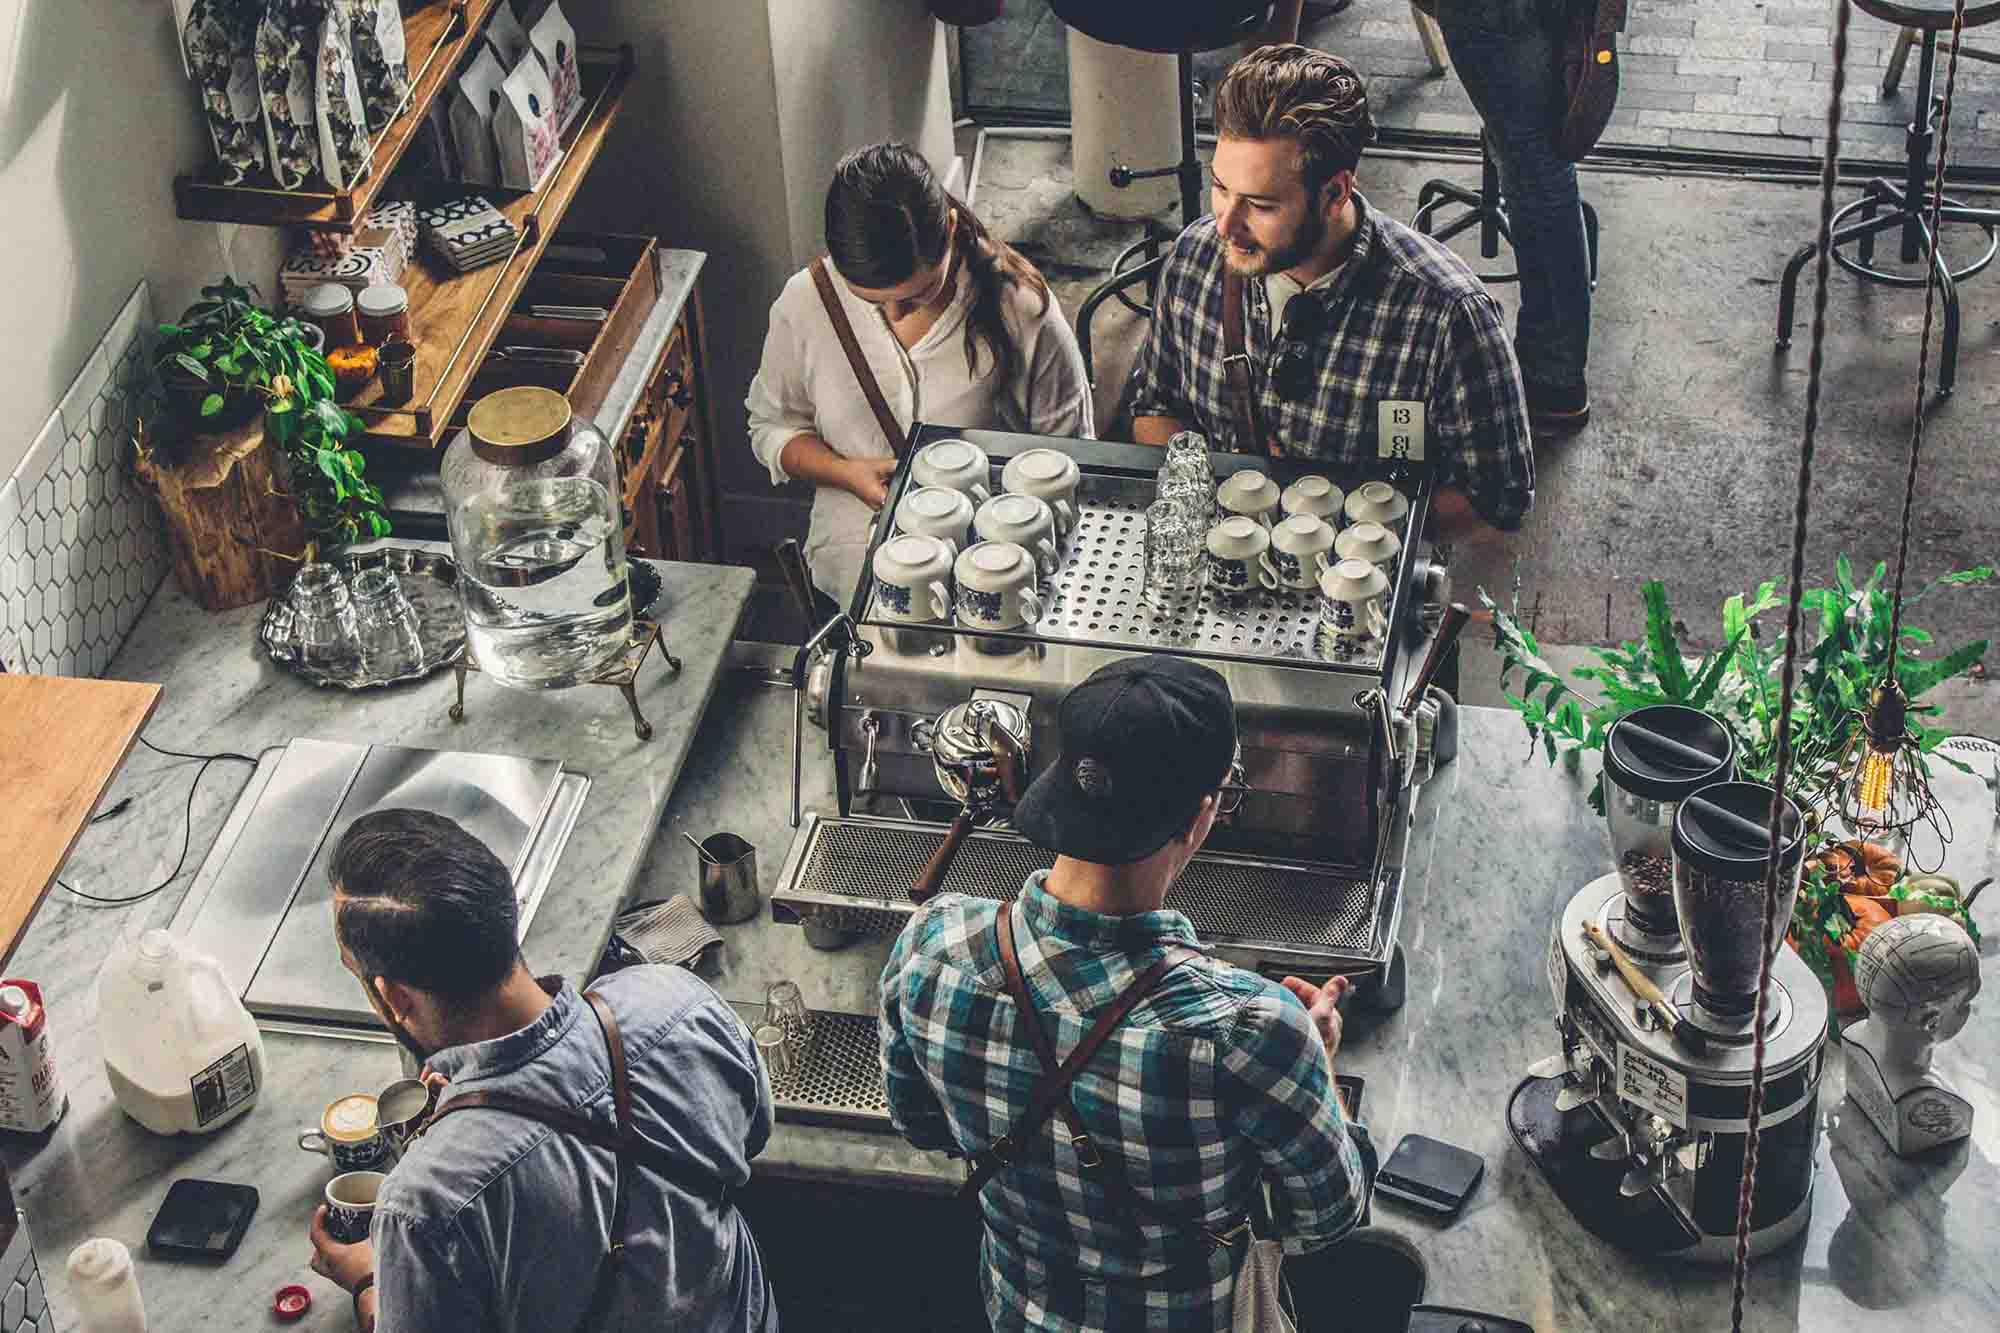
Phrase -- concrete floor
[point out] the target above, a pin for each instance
(1687, 470)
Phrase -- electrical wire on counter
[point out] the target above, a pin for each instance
(187, 824)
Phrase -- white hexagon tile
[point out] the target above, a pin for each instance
(81, 546)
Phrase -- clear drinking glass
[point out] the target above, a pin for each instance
(324, 615)
(386, 624)
(785, 1008)
(1187, 477)
(1173, 555)
(1187, 454)
(779, 1052)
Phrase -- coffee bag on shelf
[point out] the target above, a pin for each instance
(473, 99)
(345, 150)
(381, 58)
(220, 46)
(524, 127)
(506, 36)
(287, 45)
(553, 43)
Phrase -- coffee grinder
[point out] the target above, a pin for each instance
(1641, 1123)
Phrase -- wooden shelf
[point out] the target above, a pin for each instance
(438, 36)
(458, 316)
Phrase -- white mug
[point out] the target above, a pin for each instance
(957, 465)
(1250, 493)
(1238, 557)
(1313, 495)
(1025, 520)
(1370, 541)
(1299, 547)
(996, 586)
(1350, 607)
(913, 578)
(937, 511)
(1050, 475)
(1376, 502)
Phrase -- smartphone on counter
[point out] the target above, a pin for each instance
(1348, 1088)
(201, 1219)
(1431, 1174)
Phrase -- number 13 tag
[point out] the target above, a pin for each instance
(1399, 430)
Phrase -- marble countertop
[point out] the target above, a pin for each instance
(98, 1172)
(1502, 841)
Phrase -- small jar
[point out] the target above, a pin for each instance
(384, 313)
(331, 306)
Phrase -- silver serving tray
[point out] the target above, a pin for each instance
(430, 581)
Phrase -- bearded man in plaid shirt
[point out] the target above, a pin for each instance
(1127, 1211)
(1348, 316)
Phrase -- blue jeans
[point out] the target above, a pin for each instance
(1515, 83)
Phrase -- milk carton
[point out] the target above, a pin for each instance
(31, 1093)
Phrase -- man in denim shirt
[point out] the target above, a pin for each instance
(495, 1222)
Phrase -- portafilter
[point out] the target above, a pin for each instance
(979, 750)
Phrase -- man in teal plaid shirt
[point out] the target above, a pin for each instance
(1217, 1083)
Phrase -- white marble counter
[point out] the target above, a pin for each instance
(98, 1173)
(1502, 842)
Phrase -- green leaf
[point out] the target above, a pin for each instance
(1843, 576)
(229, 365)
(192, 366)
(1918, 677)
(1708, 679)
(211, 404)
(1660, 637)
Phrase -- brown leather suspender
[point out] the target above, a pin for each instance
(1236, 370)
(844, 330)
(625, 1143)
(1052, 1090)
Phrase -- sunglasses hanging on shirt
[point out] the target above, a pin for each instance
(1292, 352)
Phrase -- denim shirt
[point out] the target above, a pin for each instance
(496, 1223)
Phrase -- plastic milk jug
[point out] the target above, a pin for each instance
(182, 1053)
(31, 1093)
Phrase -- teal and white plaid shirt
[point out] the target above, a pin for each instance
(1215, 1082)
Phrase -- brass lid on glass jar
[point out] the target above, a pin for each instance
(382, 300)
(329, 298)
(520, 426)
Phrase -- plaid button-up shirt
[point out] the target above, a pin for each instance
(1217, 1080)
(1406, 321)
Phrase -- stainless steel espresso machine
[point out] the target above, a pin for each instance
(1305, 880)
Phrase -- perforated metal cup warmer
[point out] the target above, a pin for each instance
(1306, 879)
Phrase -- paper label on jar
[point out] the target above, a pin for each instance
(1659, 1088)
(1399, 430)
(224, 1085)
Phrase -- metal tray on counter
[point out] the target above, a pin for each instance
(430, 581)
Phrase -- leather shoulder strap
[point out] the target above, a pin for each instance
(843, 329)
(1236, 368)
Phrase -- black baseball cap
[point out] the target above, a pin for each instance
(1143, 740)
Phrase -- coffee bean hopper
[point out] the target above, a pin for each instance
(1307, 877)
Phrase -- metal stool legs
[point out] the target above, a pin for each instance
(1886, 206)
(1487, 210)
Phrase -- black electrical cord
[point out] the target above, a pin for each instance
(187, 825)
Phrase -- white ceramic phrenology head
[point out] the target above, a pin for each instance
(1919, 972)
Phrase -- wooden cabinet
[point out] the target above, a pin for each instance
(672, 504)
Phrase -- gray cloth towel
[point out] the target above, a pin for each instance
(670, 932)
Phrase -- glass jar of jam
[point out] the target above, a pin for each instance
(331, 306)
(384, 313)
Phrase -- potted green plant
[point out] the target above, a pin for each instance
(215, 363)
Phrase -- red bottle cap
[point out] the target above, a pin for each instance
(291, 1303)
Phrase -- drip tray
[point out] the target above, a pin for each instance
(261, 904)
(838, 1080)
(854, 874)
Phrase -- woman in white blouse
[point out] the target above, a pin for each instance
(956, 328)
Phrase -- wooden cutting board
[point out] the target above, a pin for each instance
(62, 740)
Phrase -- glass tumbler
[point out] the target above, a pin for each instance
(785, 1008)
(1173, 555)
(778, 1051)
(1187, 455)
(386, 624)
(324, 615)
(1187, 478)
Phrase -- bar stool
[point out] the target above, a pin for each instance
(1907, 205)
(1487, 210)
(1179, 28)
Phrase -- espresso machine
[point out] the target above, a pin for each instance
(1305, 880)
(1640, 1123)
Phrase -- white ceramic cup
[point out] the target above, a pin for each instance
(1313, 495)
(913, 578)
(1376, 502)
(937, 511)
(996, 586)
(1250, 493)
(957, 465)
(1350, 607)
(1300, 546)
(1370, 541)
(1051, 476)
(1238, 557)
(1025, 520)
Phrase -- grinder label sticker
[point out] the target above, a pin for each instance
(1558, 969)
(1659, 1088)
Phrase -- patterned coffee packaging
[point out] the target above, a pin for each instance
(360, 266)
(220, 42)
(554, 44)
(287, 44)
(345, 151)
(472, 101)
(381, 58)
(525, 136)
(506, 36)
(468, 233)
